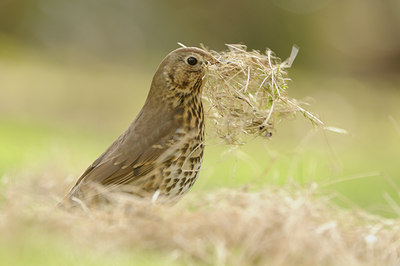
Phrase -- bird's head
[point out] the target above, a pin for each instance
(182, 70)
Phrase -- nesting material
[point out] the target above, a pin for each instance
(246, 93)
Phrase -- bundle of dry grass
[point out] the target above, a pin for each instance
(275, 226)
(247, 93)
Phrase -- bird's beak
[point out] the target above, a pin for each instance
(209, 59)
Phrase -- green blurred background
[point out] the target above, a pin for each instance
(73, 75)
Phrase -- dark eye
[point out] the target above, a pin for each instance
(191, 61)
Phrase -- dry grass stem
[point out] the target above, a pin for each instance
(275, 226)
(246, 93)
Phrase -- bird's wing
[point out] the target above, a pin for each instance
(134, 154)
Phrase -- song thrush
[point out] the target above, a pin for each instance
(161, 152)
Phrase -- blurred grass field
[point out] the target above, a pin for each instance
(56, 118)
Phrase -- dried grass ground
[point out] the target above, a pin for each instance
(273, 226)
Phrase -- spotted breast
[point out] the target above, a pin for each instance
(181, 162)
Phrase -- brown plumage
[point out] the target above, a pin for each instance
(161, 151)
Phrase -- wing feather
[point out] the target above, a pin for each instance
(135, 153)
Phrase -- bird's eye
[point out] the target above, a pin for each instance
(191, 61)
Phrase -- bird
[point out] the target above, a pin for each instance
(161, 152)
